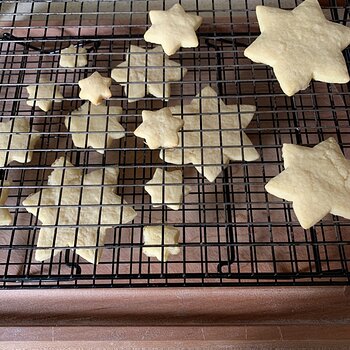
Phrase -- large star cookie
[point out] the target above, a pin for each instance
(159, 128)
(167, 187)
(5, 216)
(153, 236)
(72, 199)
(16, 141)
(95, 126)
(212, 134)
(95, 88)
(73, 57)
(173, 29)
(43, 94)
(147, 72)
(300, 45)
(316, 180)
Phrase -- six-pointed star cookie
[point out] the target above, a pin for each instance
(153, 235)
(88, 201)
(300, 45)
(316, 180)
(167, 187)
(212, 134)
(147, 72)
(95, 88)
(43, 94)
(173, 29)
(73, 57)
(16, 141)
(5, 216)
(95, 126)
(159, 128)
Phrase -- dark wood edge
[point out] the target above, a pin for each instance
(175, 307)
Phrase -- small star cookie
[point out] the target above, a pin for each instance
(159, 128)
(300, 45)
(5, 216)
(153, 236)
(95, 126)
(171, 181)
(316, 180)
(73, 57)
(43, 94)
(88, 201)
(212, 134)
(159, 71)
(16, 141)
(95, 88)
(173, 29)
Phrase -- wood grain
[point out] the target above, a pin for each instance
(186, 337)
(175, 307)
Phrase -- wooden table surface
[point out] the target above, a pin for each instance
(184, 318)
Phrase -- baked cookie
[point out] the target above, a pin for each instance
(72, 199)
(43, 94)
(95, 126)
(159, 128)
(153, 236)
(212, 134)
(166, 187)
(300, 45)
(316, 180)
(154, 79)
(16, 141)
(73, 57)
(95, 88)
(5, 216)
(173, 29)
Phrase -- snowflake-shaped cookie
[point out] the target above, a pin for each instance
(95, 126)
(148, 72)
(159, 128)
(43, 94)
(95, 88)
(153, 235)
(166, 187)
(300, 45)
(16, 141)
(316, 180)
(173, 29)
(212, 134)
(72, 199)
(73, 57)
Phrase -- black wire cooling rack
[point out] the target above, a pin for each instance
(231, 231)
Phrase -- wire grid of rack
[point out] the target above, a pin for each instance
(232, 233)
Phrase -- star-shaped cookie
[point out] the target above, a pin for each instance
(72, 199)
(16, 141)
(169, 182)
(212, 134)
(300, 45)
(5, 216)
(147, 72)
(159, 128)
(316, 180)
(95, 88)
(95, 126)
(43, 94)
(173, 29)
(73, 57)
(153, 236)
